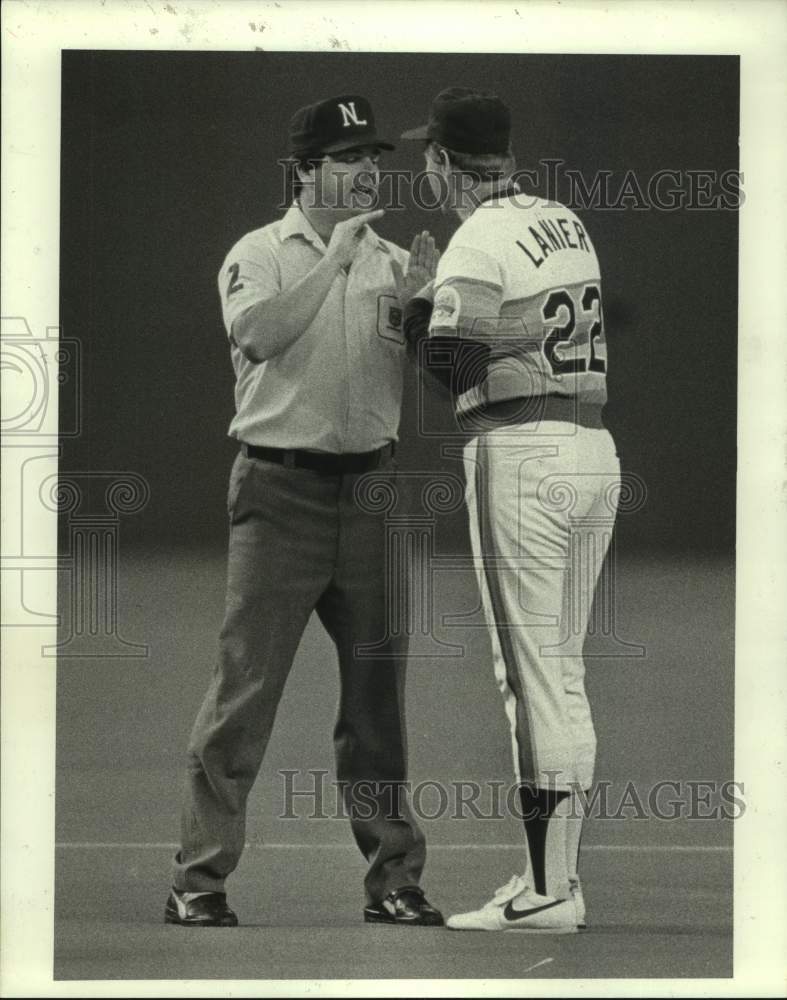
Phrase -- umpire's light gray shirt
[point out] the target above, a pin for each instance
(338, 388)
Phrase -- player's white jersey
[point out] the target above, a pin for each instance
(519, 285)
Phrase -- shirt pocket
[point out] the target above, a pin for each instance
(389, 318)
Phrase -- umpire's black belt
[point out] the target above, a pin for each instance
(324, 462)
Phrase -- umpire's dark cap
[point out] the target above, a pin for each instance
(330, 126)
(467, 121)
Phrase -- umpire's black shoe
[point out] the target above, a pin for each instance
(407, 907)
(209, 909)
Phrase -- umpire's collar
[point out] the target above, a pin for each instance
(295, 223)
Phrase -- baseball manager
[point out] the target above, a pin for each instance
(516, 307)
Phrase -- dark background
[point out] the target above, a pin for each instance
(168, 158)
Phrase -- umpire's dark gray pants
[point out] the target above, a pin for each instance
(299, 542)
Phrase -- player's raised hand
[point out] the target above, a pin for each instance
(346, 236)
(421, 267)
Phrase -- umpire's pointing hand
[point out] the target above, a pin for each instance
(346, 237)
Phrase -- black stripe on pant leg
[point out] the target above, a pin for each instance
(525, 749)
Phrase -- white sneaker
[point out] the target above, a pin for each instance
(579, 900)
(518, 907)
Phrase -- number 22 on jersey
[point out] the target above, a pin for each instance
(572, 317)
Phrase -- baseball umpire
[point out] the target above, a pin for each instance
(516, 310)
(314, 318)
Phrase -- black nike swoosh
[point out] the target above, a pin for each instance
(511, 914)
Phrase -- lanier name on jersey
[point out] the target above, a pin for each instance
(551, 236)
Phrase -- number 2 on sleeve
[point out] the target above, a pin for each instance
(234, 285)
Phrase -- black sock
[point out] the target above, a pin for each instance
(538, 804)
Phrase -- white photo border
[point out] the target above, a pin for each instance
(34, 34)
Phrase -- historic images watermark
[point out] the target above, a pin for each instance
(308, 794)
(38, 373)
(412, 504)
(667, 189)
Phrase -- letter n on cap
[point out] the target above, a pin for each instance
(350, 115)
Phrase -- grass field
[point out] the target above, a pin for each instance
(659, 893)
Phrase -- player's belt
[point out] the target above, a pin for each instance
(532, 410)
(324, 462)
